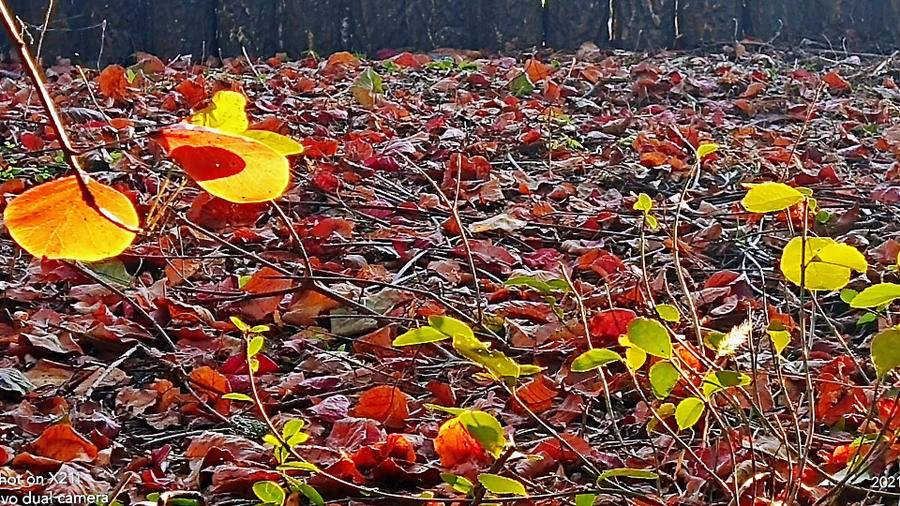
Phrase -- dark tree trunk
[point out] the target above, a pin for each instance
(247, 24)
(708, 22)
(571, 23)
(180, 27)
(323, 27)
(114, 35)
(511, 24)
(643, 24)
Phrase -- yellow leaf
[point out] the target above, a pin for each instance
(828, 264)
(230, 166)
(282, 145)
(770, 197)
(52, 220)
(707, 149)
(226, 112)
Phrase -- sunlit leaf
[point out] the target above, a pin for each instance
(594, 359)
(420, 335)
(52, 220)
(886, 351)
(521, 86)
(650, 336)
(770, 197)
(230, 166)
(501, 485)
(643, 203)
(585, 499)
(828, 263)
(269, 492)
(283, 145)
(236, 396)
(720, 380)
(255, 345)
(459, 483)
(226, 113)
(780, 339)
(668, 312)
(706, 149)
(688, 412)
(384, 403)
(663, 378)
(485, 428)
(625, 472)
(495, 361)
(450, 326)
(876, 295)
(367, 86)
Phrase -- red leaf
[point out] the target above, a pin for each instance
(454, 445)
(61, 442)
(835, 81)
(31, 142)
(264, 280)
(608, 325)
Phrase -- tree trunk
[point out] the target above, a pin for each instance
(247, 24)
(703, 22)
(570, 23)
(643, 24)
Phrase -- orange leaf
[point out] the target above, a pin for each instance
(51, 220)
(538, 394)
(835, 81)
(113, 82)
(537, 71)
(454, 445)
(307, 307)
(264, 280)
(213, 384)
(754, 89)
(61, 442)
(230, 166)
(385, 403)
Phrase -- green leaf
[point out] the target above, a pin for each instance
(626, 472)
(292, 427)
(485, 429)
(421, 335)
(235, 396)
(310, 493)
(866, 319)
(542, 287)
(643, 203)
(237, 322)
(445, 409)
(501, 485)
(663, 378)
(299, 466)
(848, 294)
(886, 351)
(450, 326)
(585, 499)
(650, 336)
(594, 359)
(494, 361)
(269, 492)
(876, 295)
(770, 197)
(112, 270)
(459, 483)
(780, 339)
(668, 312)
(521, 86)
(718, 381)
(688, 412)
(255, 345)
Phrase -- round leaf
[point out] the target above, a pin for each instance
(501, 485)
(650, 336)
(226, 112)
(828, 264)
(52, 220)
(663, 378)
(284, 146)
(688, 412)
(876, 295)
(594, 359)
(717, 381)
(269, 492)
(668, 312)
(886, 351)
(485, 429)
(230, 166)
(770, 197)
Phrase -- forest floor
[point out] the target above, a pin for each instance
(425, 197)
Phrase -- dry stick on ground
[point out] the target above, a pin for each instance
(65, 143)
